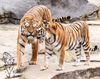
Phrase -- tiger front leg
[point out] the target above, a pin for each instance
(20, 49)
(18, 58)
(61, 60)
(45, 62)
(34, 53)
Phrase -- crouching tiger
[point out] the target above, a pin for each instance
(63, 37)
(27, 31)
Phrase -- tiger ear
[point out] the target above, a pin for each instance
(45, 22)
(54, 26)
(27, 24)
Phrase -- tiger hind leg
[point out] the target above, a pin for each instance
(34, 53)
(78, 55)
(87, 58)
(87, 51)
(86, 48)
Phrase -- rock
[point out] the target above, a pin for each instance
(4, 20)
(14, 10)
(1, 63)
(91, 73)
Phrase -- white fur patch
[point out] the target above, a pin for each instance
(48, 51)
(34, 25)
(30, 38)
(47, 59)
(27, 24)
(21, 41)
(20, 30)
(58, 47)
(55, 43)
(47, 35)
(28, 48)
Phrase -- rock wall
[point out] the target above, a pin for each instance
(91, 73)
(13, 10)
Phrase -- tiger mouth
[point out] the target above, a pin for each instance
(30, 38)
(38, 37)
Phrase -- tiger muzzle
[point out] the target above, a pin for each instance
(38, 37)
(31, 36)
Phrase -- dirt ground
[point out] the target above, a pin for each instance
(8, 38)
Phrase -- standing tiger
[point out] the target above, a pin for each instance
(27, 31)
(63, 37)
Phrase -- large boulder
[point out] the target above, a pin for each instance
(13, 10)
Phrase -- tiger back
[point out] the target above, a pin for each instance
(64, 37)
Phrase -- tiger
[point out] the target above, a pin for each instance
(31, 20)
(63, 37)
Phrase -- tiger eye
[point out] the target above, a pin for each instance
(26, 24)
(41, 30)
(37, 30)
(34, 25)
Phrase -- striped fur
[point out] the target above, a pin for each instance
(63, 37)
(27, 32)
(62, 19)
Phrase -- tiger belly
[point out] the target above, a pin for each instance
(56, 48)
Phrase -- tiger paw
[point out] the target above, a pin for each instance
(76, 64)
(60, 68)
(44, 68)
(87, 64)
(32, 63)
(22, 69)
(18, 71)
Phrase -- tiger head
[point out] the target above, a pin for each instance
(45, 30)
(51, 31)
(30, 27)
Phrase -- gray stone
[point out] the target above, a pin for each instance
(91, 73)
(1, 63)
(15, 9)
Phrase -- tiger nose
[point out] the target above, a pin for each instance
(30, 33)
